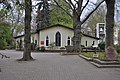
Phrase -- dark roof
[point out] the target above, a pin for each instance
(59, 25)
(18, 36)
(23, 35)
(91, 36)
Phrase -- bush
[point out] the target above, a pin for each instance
(52, 45)
(117, 47)
(38, 48)
(42, 48)
(3, 44)
(82, 46)
(101, 45)
(62, 48)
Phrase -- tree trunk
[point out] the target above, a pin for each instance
(27, 39)
(77, 38)
(77, 33)
(77, 10)
(110, 22)
(119, 37)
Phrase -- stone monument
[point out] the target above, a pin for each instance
(111, 53)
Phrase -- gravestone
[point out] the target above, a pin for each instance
(110, 53)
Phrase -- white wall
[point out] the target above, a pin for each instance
(65, 32)
(35, 36)
(50, 32)
(22, 38)
(89, 41)
(64, 35)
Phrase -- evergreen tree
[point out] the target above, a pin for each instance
(43, 16)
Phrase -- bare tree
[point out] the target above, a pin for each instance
(97, 17)
(77, 9)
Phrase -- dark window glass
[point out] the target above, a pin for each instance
(36, 42)
(47, 41)
(68, 41)
(93, 43)
(86, 43)
(58, 39)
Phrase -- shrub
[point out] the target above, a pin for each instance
(117, 47)
(3, 44)
(101, 45)
(52, 45)
(62, 48)
(82, 46)
(42, 48)
(38, 48)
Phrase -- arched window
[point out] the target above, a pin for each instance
(47, 41)
(36, 42)
(93, 43)
(58, 39)
(68, 41)
(86, 43)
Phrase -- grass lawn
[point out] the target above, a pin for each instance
(101, 55)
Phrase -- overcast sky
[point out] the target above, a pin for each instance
(84, 13)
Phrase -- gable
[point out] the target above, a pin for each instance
(61, 28)
(66, 29)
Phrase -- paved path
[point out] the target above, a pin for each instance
(53, 67)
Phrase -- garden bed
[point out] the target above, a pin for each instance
(101, 55)
(101, 61)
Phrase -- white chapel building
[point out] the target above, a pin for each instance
(60, 35)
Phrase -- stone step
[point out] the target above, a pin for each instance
(105, 66)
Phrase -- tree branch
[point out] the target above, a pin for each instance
(79, 7)
(74, 7)
(76, 1)
(72, 4)
(92, 12)
(85, 5)
(63, 9)
(68, 4)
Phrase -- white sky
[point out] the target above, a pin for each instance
(88, 8)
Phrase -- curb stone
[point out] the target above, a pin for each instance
(101, 64)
